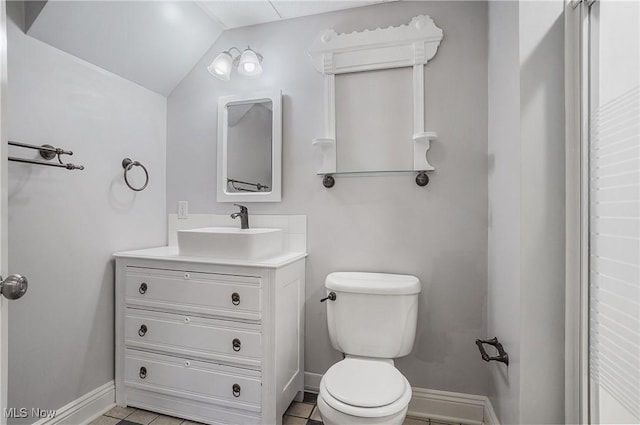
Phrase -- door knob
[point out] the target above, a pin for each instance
(14, 286)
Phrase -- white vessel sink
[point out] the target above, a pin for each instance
(230, 242)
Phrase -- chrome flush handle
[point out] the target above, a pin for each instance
(331, 297)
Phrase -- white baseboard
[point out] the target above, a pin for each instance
(466, 409)
(490, 417)
(445, 406)
(86, 408)
(312, 382)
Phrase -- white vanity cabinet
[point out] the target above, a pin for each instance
(214, 342)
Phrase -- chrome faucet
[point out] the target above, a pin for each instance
(244, 216)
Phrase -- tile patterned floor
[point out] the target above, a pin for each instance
(131, 416)
(298, 413)
(304, 413)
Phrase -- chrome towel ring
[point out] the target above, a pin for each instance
(128, 164)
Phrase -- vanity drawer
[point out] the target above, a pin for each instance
(206, 413)
(190, 336)
(195, 293)
(195, 380)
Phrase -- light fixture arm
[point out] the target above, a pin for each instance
(236, 59)
(237, 50)
(257, 54)
(240, 52)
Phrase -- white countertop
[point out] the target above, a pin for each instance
(171, 253)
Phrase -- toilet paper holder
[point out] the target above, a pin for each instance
(502, 355)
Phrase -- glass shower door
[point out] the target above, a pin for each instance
(614, 212)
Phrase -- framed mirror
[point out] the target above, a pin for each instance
(250, 148)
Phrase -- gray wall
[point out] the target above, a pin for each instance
(542, 212)
(438, 233)
(64, 225)
(503, 303)
(526, 209)
(383, 143)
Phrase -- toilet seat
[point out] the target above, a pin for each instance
(365, 388)
(364, 382)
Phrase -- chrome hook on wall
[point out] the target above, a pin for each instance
(128, 164)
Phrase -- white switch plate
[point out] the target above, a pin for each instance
(183, 209)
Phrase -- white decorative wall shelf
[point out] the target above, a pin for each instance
(412, 45)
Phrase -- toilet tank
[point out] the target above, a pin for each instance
(373, 314)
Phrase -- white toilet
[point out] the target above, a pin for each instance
(372, 319)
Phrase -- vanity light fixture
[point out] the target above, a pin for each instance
(247, 63)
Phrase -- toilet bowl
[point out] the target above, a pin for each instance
(363, 391)
(372, 319)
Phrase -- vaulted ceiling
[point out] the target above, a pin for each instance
(233, 14)
(155, 43)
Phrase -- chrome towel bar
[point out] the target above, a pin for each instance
(68, 166)
(47, 152)
(233, 183)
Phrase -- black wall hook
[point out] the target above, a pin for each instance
(502, 355)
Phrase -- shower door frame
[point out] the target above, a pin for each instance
(578, 75)
(577, 211)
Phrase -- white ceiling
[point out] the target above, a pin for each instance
(240, 13)
(156, 43)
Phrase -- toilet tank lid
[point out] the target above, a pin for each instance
(373, 283)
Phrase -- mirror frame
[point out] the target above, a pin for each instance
(276, 149)
(410, 45)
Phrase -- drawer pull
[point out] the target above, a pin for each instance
(237, 345)
(187, 319)
(236, 390)
(143, 288)
(143, 330)
(143, 372)
(187, 363)
(235, 298)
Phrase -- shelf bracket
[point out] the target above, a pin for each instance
(421, 145)
(328, 148)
